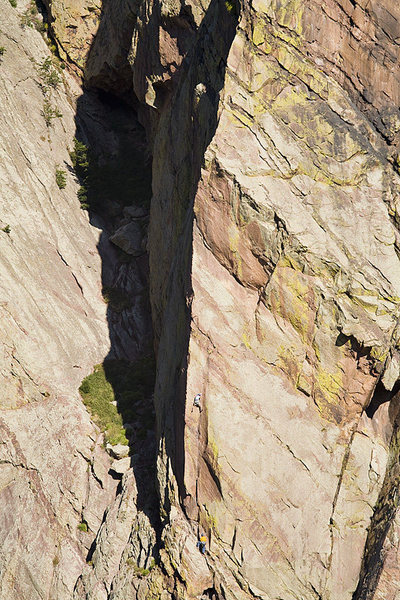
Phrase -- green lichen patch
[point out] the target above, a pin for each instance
(119, 392)
(98, 394)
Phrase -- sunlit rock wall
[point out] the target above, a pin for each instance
(53, 328)
(281, 138)
(275, 287)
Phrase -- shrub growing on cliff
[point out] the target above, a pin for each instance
(32, 18)
(124, 179)
(131, 386)
(116, 298)
(97, 394)
(82, 197)
(49, 113)
(49, 74)
(140, 571)
(85, 386)
(231, 7)
(13, 3)
(61, 179)
(80, 161)
(29, 17)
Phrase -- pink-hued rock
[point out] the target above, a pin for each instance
(54, 471)
(46, 453)
(275, 292)
(284, 294)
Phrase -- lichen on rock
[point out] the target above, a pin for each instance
(270, 259)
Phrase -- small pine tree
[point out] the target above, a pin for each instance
(61, 179)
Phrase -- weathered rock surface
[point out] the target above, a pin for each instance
(289, 280)
(119, 451)
(129, 238)
(51, 307)
(74, 24)
(55, 484)
(275, 291)
(121, 466)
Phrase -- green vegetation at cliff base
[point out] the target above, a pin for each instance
(119, 392)
(116, 298)
(124, 179)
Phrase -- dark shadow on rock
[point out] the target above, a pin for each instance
(382, 519)
(107, 67)
(379, 397)
(116, 191)
(189, 119)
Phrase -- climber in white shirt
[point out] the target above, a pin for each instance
(196, 401)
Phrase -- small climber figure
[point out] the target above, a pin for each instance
(201, 544)
(196, 401)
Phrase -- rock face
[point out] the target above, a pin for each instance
(53, 469)
(55, 484)
(74, 25)
(275, 291)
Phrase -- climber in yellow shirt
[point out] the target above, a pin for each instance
(201, 544)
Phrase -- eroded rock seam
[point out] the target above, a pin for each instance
(381, 520)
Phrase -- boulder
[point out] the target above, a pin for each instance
(121, 466)
(129, 238)
(118, 451)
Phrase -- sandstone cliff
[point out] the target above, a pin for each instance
(294, 289)
(55, 325)
(274, 286)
